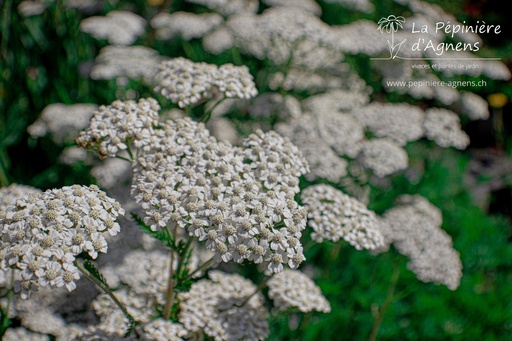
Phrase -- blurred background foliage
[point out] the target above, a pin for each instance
(43, 60)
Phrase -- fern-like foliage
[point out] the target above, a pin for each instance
(160, 234)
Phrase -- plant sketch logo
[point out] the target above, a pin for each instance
(426, 47)
(390, 24)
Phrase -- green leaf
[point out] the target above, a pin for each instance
(160, 235)
(89, 266)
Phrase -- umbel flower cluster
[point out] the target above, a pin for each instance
(334, 215)
(240, 201)
(185, 82)
(43, 232)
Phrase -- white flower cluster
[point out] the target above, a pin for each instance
(112, 128)
(43, 232)
(118, 27)
(134, 62)
(229, 7)
(20, 333)
(218, 41)
(383, 156)
(307, 5)
(334, 215)
(164, 330)
(443, 127)
(272, 104)
(225, 307)
(184, 24)
(360, 36)
(239, 201)
(323, 161)
(113, 322)
(474, 106)
(284, 35)
(399, 122)
(185, 82)
(62, 122)
(293, 289)
(414, 229)
(146, 273)
(13, 192)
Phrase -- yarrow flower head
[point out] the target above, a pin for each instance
(185, 82)
(224, 307)
(414, 229)
(13, 192)
(43, 232)
(293, 289)
(334, 215)
(112, 128)
(240, 202)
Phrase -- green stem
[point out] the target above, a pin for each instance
(4, 181)
(123, 158)
(206, 117)
(201, 267)
(169, 294)
(106, 289)
(261, 286)
(6, 22)
(385, 305)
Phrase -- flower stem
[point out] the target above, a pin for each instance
(385, 305)
(169, 293)
(105, 289)
(261, 286)
(203, 266)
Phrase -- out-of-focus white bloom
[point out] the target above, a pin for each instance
(229, 7)
(13, 192)
(340, 131)
(74, 154)
(164, 330)
(284, 35)
(223, 130)
(184, 24)
(293, 289)
(118, 27)
(399, 122)
(111, 172)
(134, 62)
(113, 321)
(218, 41)
(334, 215)
(323, 161)
(43, 232)
(31, 8)
(474, 106)
(20, 333)
(275, 105)
(336, 101)
(185, 82)
(225, 307)
(443, 127)
(414, 229)
(364, 6)
(320, 80)
(307, 5)
(360, 36)
(62, 122)
(114, 127)
(383, 156)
